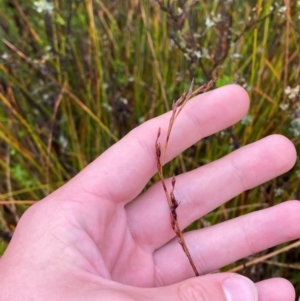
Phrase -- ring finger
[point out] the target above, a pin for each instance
(214, 247)
(207, 187)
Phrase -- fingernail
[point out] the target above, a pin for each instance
(239, 288)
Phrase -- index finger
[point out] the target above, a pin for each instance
(122, 171)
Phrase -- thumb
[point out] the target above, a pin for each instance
(215, 287)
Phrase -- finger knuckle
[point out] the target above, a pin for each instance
(192, 292)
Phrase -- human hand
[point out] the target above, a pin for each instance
(98, 238)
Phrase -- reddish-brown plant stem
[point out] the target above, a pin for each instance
(160, 158)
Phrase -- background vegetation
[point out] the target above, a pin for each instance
(76, 76)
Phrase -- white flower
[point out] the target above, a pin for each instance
(171, 45)
(107, 107)
(292, 92)
(278, 192)
(5, 56)
(180, 11)
(217, 18)
(206, 54)
(46, 57)
(198, 54)
(237, 55)
(42, 6)
(282, 9)
(295, 127)
(247, 120)
(287, 90)
(63, 141)
(123, 100)
(296, 132)
(209, 23)
(45, 96)
(142, 119)
(284, 106)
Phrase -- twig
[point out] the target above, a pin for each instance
(296, 244)
(50, 138)
(160, 158)
(17, 202)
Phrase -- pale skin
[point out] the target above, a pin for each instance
(99, 238)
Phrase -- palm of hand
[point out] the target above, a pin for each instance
(99, 242)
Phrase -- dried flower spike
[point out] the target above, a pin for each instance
(160, 158)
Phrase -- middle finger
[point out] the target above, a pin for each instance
(204, 189)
